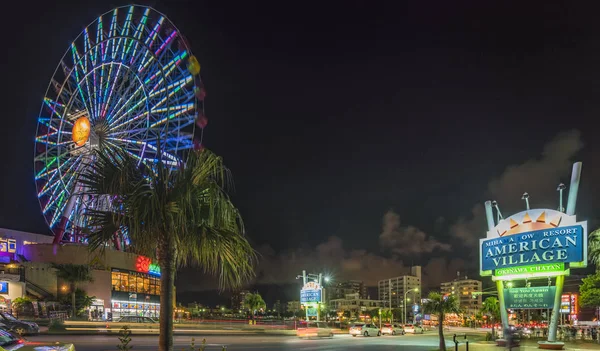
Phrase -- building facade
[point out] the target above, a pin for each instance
(293, 306)
(341, 289)
(354, 304)
(237, 300)
(393, 290)
(124, 283)
(463, 289)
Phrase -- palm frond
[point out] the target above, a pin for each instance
(594, 247)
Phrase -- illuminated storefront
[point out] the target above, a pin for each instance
(136, 292)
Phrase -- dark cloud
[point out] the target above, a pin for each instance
(538, 177)
(406, 240)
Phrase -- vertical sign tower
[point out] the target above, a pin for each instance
(535, 244)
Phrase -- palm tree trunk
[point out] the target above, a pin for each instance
(441, 332)
(166, 259)
(73, 308)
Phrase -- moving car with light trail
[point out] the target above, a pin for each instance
(18, 326)
(314, 329)
(392, 329)
(364, 329)
(12, 342)
(413, 329)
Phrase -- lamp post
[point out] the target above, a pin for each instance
(405, 294)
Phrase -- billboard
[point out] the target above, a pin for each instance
(530, 298)
(533, 243)
(3, 287)
(310, 293)
(558, 245)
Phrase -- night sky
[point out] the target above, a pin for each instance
(362, 138)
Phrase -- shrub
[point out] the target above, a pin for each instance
(125, 339)
(488, 336)
(56, 325)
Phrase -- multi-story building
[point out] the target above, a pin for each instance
(340, 290)
(393, 291)
(463, 289)
(354, 303)
(237, 300)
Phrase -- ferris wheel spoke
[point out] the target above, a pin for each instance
(125, 109)
(178, 112)
(148, 43)
(167, 70)
(109, 93)
(118, 127)
(138, 34)
(52, 182)
(76, 65)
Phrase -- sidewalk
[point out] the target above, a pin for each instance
(529, 345)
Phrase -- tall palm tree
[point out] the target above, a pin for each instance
(491, 307)
(73, 274)
(180, 217)
(441, 305)
(594, 248)
(254, 302)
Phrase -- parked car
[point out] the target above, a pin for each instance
(11, 342)
(364, 329)
(392, 329)
(136, 319)
(18, 326)
(314, 329)
(414, 329)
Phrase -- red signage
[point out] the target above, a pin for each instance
(142, 264)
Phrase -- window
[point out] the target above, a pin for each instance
(135, 282)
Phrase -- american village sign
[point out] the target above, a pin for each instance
(534, 244)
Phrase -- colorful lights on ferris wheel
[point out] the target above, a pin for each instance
(131, 77)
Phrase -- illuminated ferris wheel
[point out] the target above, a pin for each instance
(128, 82)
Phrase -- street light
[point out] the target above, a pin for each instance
(406, 293)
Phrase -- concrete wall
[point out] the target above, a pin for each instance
(79, 254)
(15, 289)
(42, 275)
(101, 287)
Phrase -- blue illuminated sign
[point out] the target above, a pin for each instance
(3, 287)
(310, 295)
(556, 245)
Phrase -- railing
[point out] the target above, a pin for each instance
(43, 293)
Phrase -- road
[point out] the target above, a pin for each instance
(424, 342)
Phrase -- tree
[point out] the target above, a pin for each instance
(179, 215)
(20, 303)
(491, 307)
(386, 314)
(441, 305)
(589, 291)
(254, 302)
(73, 274)
(594, 248)
(82, 301)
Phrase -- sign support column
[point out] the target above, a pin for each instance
(503, 310)
(560, 282)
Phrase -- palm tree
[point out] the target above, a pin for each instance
(254, 302)
(178, 216)
(441, 305)
(594, 248)
(73, 274)
(491, 307)
(386, 314)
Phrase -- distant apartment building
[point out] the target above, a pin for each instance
(392, 291)
(237, 299)
(354, 303)
(340, 290)
(463, 289)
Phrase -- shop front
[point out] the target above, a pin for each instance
(135, 293)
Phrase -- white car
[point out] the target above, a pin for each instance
(314, 329)
(414, 329)
(392, 329)
(364, 329)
